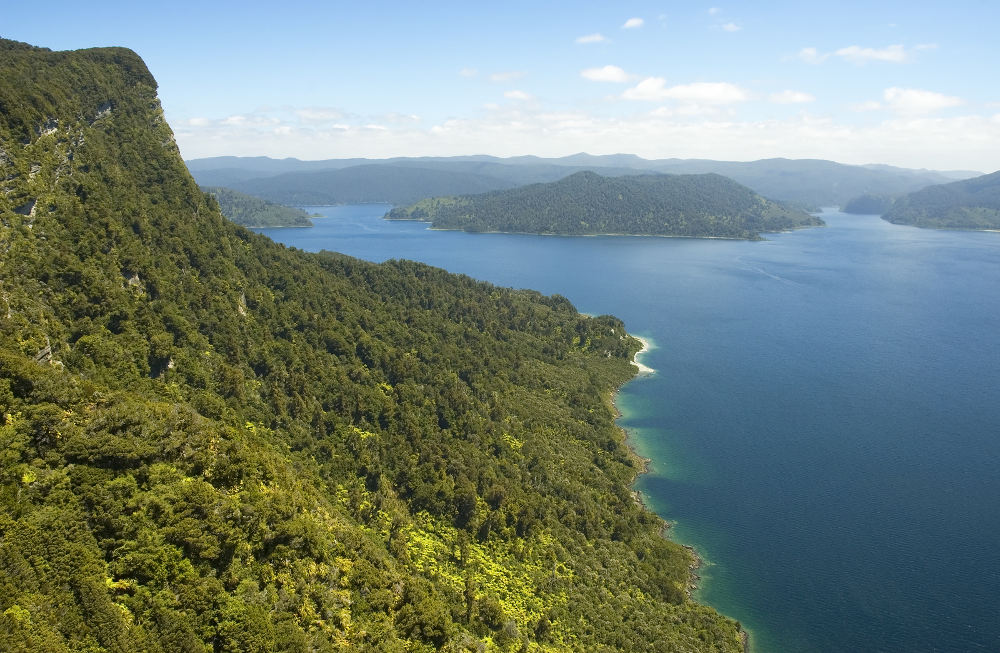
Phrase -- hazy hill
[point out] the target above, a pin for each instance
(868, 205)
(811, 183)
(251, 211)
(586, 203)
(808, 183)
(209, 442)
(394, 184)
(969, 204)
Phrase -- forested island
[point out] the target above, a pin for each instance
(251, 211)
(585, 203)
(967, 204)
(212, 442)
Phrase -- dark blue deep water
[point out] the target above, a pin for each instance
(824, 423)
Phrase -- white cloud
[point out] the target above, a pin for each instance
(468, 72)
(655, 88)
(811, 55)
(513, 128)
(198, 122)
(606, 74)
(860, 55)
(592, 38)
(731, 27)
(914, 101)
(318, 114)
(506, 76)
(632, 23)
(791, 97)
(871, 105)
(712, 11)
(517, 95)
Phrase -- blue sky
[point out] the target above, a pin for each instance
(912, 84)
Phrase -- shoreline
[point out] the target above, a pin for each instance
(696, 560)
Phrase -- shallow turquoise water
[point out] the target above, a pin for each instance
(823, 424)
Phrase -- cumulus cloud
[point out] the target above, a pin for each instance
(859, 55)
(318, 114)
(632, 23)
(468, 72)
(812, 55)
(597, 37)
(515, 128)
(914, 101)
(655, 88)
(506, 76)
(731, 27)
(871, 105)
(712, 11)
(791, 97)
(606, 74)
(517, 95)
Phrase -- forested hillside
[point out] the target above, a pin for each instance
(587, 203)
(968, 204)
(251, 211)
(210, 442)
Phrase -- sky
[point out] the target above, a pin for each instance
(911, 84)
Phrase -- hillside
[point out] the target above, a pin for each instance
(868, 205)
(212, 442)
(251, 211)
(699, 206)
(367, 183)
(809, 183)
(968, 204)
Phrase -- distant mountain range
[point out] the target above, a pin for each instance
(809, 183)
(706, 205)
(968, 204)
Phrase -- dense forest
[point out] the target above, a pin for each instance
(251, 211)
(587, 203)
(211, 442)
(968, 204)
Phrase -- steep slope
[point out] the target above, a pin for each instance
(968, 204)
(211, 442)
(587, 203)
(251, 211)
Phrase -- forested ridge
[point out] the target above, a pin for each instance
(251, 211)
(211, 442)
(584, 203)
(967, 204)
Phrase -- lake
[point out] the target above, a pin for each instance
(823, 424)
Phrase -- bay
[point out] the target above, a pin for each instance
(823, 424)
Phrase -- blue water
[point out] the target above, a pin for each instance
(824, 422)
